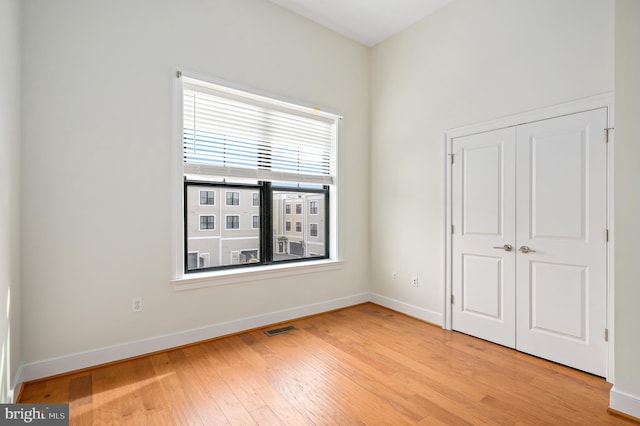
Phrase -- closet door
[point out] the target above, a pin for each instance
(561, 240)
(483, 258)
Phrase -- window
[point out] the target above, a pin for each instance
(233, 222)
(233, 198)
(313, 207)
(207, 222)
(192, 260)
(207, 198)
(250, 147)
(313, 229)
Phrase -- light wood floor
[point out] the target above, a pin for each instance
(360, 365)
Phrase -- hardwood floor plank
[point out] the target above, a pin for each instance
(360, 365)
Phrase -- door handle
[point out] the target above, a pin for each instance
(525, 249)
(506, 247)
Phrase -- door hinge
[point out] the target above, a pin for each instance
(606, 334)
(606, 133)
(451, 156)
(452, 299)
(452, 230)
(607, 235)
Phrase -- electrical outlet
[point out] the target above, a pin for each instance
(136, 304)
(394, 276)
(414, 281)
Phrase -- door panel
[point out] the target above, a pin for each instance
(561, 217)
(558, 289)
(557, 162)
(482, 286)
(483, 196)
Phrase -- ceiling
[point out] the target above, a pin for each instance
(366, 21)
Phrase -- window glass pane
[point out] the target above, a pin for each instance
(222, 234)
(290, 240)
(207, 222)
(233, 198)
(233, 222)
(207, 197)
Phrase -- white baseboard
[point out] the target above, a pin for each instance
(624, 403)
(78, 361)
(407, 309)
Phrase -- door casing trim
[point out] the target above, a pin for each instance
(605, 100)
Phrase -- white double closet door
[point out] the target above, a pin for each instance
(529, 268)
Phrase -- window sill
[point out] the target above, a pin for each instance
(226, 277)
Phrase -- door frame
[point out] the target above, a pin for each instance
(605, 100)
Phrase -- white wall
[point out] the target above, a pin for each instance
(9, 196)
(470, 62)
(626, 393)
(98, 87)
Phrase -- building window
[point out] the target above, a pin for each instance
(313, 207)
(313, 229)
(249, 147)
(192, 260)
(232, 198)
(233, 222)
(207, 198)
(207, 222)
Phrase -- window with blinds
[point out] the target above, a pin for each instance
(229, 133)
(246, 159)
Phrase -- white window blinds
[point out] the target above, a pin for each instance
(227, 133)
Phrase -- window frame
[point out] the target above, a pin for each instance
(334, 243)
(317, 228)
(266, 238)
(226, 222)
(313, 207)
(226, 199)
(200, 197)
(200, 216)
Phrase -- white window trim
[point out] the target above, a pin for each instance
(317, 230)
(317, 207)
(182, 281)
(252, 217)
(238, 276)
(232, 229)
(253, 194)
(200, 223)
(200, 191)
(232, 205)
